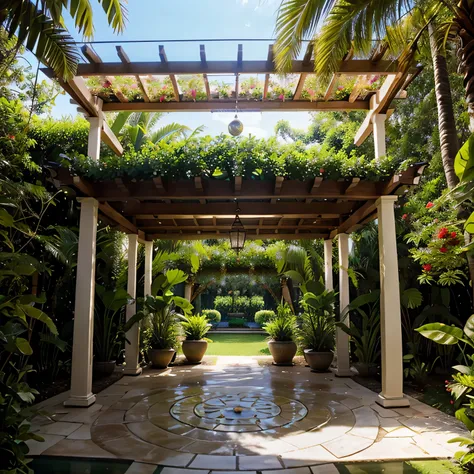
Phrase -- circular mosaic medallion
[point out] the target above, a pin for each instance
(240, 412)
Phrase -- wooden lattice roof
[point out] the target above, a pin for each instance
(205, 208)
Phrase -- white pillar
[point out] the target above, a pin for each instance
(93, 144)
(133, 336)
(148, 268)
(342, 339)
(188, 290)
(81, 374)
(390, 315)
(378, 121)
(328, 278)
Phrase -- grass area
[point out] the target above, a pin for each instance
(237, 345)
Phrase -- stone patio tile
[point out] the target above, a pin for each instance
(81, 414)
(103, 433)
(347, 445)
(366, 425)
(79, 448)
(408, 411)
(425, 409)
(61, 428)
(352, 403)
(384, 412)
(296, 470)
(420, 425)
(154, 435)
(400, 433)
(37, 447)
(123, 405)
(389, 424)
(259, 462)
(208, 447)
(431, 448)
(191, 471)
(204, 461)
(107, 400)
(139, 412)
(115, 389)
(166, 457)
(84, 432)
(174, 470)
(110, 417)
(388, 449)
(325, 434)
(306, 457)
(141, 468)
(324, 469)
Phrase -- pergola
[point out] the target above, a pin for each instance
(202, 208)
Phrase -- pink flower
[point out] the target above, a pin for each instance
(252, 86)
(106, 84)
(311, 92)
(193, 94)
(162, 98)
(340, 88)
(281, 97)
(133, 86)
(429, 205)
(321, 170)
(405, 217)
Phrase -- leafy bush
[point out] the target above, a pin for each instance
(212, 315)
(195, 327)
(283, 327)
(264, 316)
(238, 304)
(237, 323)
(256, 303)
(223, 304)
(219, 158)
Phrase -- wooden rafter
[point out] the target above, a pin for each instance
(267, 76)
(306, 61)
(174, 82)
(141, 84)
(202, 53)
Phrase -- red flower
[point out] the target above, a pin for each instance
(340, 88)
(193, 93)
(443, 232)
(429, 205)
(162, 98)
(405, 217)
(11, 137)
(321, 170)
(427, 267)
(107, 84)
(453, 235)
(452, 402)
(443, 249)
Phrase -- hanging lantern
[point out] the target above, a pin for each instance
(237, 234)
(236, 127)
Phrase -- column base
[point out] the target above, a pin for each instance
(343, 372)
(392, 402)
(133, 372)
(80, 401)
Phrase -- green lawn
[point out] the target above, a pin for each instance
(237, 345)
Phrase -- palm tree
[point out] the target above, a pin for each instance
(353, 24)
(39, 25)
(138, 128)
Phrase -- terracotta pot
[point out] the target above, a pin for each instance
(318, 361)
(103, 369)
(366, 370)
(161, 358)
(282, 351)
(194, 350)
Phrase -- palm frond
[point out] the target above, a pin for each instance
(119, 122)
(168, 132)
(80, 11)
(116, 14)
(297, 20)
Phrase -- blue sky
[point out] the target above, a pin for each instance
(194, 19)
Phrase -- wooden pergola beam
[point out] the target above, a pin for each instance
(351, 67)
(365, 210)
(260, 236)
(141, 84)
(225, 228)
(174, 82)
(91, 55)
(267, 76)
(202, 53)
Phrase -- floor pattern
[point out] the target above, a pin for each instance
(242, 417)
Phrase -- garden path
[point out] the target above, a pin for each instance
(242, 414)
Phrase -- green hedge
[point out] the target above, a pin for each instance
(212, 315)
(241, 304)
(263, 316)
(224, 158)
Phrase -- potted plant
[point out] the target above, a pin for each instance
(108, 310)
(281, 331)
(159, 312)
(195, 345)
(366, 337)
(317, 329)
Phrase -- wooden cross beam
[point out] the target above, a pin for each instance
(174, 82)
(202, 53)
(141, 84)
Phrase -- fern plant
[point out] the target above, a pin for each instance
(195, 327)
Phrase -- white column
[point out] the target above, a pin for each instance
(390, 315)
(133, 336)
(378, 121)
(81, 374)
(148, 268)
(342, 339)
(188, 290)
(93, 144)
(328, 278)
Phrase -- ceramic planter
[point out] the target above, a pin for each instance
(194, 350)
(161, 358)
(103, 369)
(282, 351)
(318, 361)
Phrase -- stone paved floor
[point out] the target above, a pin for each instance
(240, 416)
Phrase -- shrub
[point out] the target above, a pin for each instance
(282, 328)
(241, 304)
(256, 303)
(223, 304)
(212, 315)
(195, 327)
(263, 316)
(237, 323)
